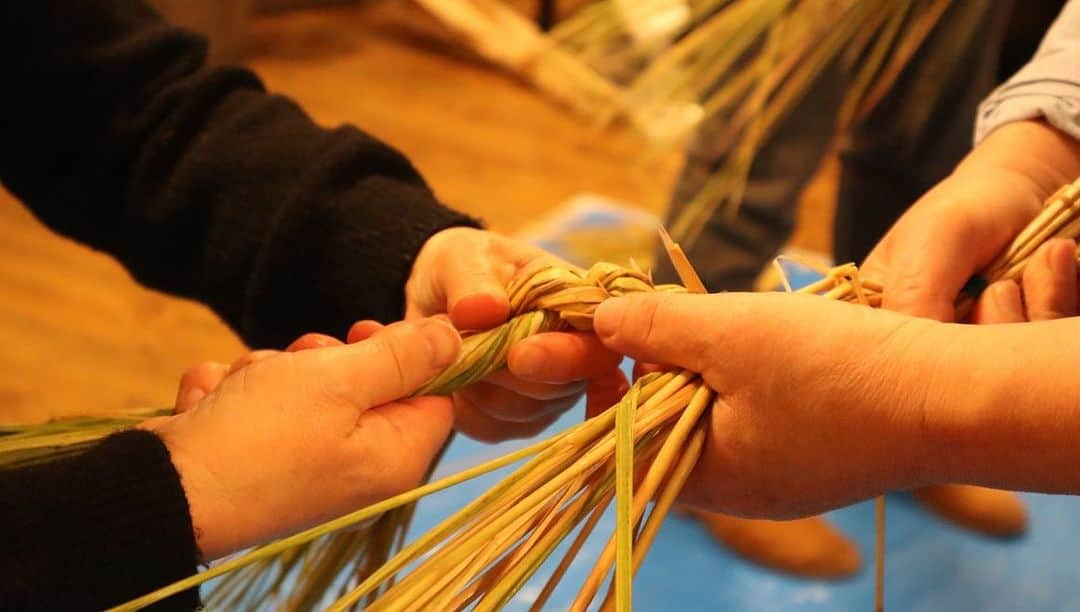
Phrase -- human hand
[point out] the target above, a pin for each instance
(959, 226)
(291, 439)
(820, 402)
(950, 234)
(200, 380)
(1047, 291)
(464, 272)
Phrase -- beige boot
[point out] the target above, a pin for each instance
(808, 547)
(990, 512)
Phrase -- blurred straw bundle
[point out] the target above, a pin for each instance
(24, 444)
(665, 66)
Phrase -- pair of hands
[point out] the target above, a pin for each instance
(822, 403)
(280, 440)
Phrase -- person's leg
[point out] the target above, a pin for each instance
(889, 160)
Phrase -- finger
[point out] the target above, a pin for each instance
(154, 423)
(197, 383)
(504, 405)
(251, 358)
(935, 263)
(480, 311)
(674, 329)
(605, 391)
(391, 364)
(641, 368)
(1050, 281)
(475, 296)
(561, 357)
(1001, 302)
(362, 330)
(312, 341)
(485, 428)
(535, 390)
(927, 282)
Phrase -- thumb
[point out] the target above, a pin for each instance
(393, 363)
(669, 329)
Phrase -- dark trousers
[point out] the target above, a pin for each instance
(909, 142)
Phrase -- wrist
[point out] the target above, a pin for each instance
(213, 536)
(966, 434)
(923, 396)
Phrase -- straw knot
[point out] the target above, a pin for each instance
(574, 294)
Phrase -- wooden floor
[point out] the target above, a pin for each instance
(77, 335)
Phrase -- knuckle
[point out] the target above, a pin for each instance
(647, 316)
(394, 350)
(201, 375)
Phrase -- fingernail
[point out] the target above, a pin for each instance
(529, 359)
(443, 341)
(609, 316)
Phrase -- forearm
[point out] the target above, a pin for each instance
(1003, 407)
(95, 530)
(201, 183)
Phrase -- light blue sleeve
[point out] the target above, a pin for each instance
(1048, 86)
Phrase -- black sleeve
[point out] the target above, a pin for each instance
(114, 132)
(95, 530)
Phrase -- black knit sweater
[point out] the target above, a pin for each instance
(115, 133)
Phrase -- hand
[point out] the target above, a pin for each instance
(291, 439)
(464, 272)
(819, 401)
(200, 380)
(823, 403)
(965, 221)
(1049, 289)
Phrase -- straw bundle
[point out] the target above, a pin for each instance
(22, 445)
(667, 66)
(746, 65)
